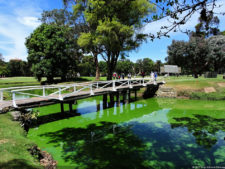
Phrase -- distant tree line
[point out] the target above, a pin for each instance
(84, 65)
(125, 66)
(14, 67)
(205, 50)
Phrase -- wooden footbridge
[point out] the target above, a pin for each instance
(35, 96)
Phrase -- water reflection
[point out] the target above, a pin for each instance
(203, 127)
(142, 134)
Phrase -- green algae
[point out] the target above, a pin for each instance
(151, 133)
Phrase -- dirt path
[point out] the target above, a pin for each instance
(209, 89)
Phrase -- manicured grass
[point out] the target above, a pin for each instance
(194, 88)
(183, 82)
(14, 146)
(30, 81)
(18, 81)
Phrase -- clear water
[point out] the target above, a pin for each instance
(152, 133)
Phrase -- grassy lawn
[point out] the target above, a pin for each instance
(194, 88)
(31, 81)
(14, 146)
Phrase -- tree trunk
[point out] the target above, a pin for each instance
(50, 79)
(97, 73)
(109, 73)
(63, 78)
(196, 75)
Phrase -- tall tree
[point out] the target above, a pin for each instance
(17, 67)
(125, 66)
(217, 52)
(103, 68)
(50, 49)
(87, 38)
(145, 65)
(197, 54)
(192, 56)
(177, 55)
(86, 66)
(117, 24)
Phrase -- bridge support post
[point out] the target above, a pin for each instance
(128, 96)
(62, 107)
(118, 98)
(104, 101)
(135, 94)
(111, 99)
(124, 96)
(71, 107)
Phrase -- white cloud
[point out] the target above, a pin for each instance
(16, 25)
(29, 21)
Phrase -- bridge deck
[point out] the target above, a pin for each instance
(42, 101)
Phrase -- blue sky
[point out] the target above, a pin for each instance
(18, 18)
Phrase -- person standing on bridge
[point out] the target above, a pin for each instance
(143, 74)
(122, 75)
(155, 75)
(129, 76)
(152, 76)
(114, 75)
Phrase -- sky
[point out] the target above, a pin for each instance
(18, 19)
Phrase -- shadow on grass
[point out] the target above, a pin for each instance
(17, 164)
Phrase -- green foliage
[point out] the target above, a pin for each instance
(58, 17)
(50, 51)
(223, 33)
(86, 66)
(18, 68)
(3, 66)
(103, 67)
(208, 25)
(176, 54)
(208, 96)
(144, 65)
(125, 66)
(191, 56)
(217, 55)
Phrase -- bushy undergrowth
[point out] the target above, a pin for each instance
(208, 96)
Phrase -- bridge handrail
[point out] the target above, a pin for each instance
(91, 85)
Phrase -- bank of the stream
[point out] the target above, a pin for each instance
(14, 146)
(198, 89)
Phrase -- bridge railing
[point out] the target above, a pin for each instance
(60, 92)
